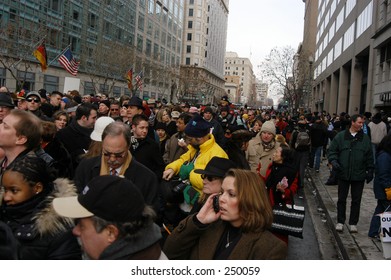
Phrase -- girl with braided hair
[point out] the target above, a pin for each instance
(26, 207)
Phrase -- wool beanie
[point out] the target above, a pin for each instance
(269, 126)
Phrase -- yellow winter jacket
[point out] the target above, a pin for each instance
(207, 150)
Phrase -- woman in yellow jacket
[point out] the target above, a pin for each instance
(202, 147)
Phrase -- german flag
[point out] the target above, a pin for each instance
(129, 78)
(40, 54)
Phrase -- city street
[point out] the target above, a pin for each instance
(315, 226)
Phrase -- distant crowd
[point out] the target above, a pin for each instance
(128, 178)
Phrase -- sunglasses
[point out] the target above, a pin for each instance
(114, 109)
(209, 178)
(36, 100)
(116, 155)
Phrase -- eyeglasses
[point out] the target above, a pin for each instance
(36, 100)
(209, 178)
(114, 109)
(116, 155)
(126, 106)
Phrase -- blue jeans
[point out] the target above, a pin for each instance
(316, 153)
(374, 228)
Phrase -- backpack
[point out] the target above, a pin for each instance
(303, 139)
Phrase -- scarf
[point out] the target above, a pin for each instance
(105, 169)
(268, 146)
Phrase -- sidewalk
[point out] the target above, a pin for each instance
(356, 246)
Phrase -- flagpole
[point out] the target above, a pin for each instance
(54, 59)
(16, 63)
(39, 42)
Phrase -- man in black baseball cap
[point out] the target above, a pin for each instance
(114, 221)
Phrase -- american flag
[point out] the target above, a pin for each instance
(68, 62)
(139, 80)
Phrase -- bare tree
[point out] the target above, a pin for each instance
(279, 71)
(193, 82)
(17, 44)
(107, 64)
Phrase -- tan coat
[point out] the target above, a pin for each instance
(257, 155)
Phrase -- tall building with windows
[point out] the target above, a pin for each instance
(242, 67)
(382, 57)
(204, 42)
(344, 56)
(107, 36)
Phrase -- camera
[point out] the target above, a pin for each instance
(180, 187)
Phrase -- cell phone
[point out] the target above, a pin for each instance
(216, 206)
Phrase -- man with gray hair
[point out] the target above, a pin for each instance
(117, 160)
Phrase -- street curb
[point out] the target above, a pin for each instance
(347, 246)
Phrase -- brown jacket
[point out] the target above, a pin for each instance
(173, 151)
(190, 242)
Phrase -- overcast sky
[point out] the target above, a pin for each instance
(257, 26)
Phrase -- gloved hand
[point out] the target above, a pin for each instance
(336, 165)
(388, 193)
(369, 176)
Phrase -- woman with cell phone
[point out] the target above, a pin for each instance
(237, 231)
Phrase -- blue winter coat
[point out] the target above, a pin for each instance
(382, 175)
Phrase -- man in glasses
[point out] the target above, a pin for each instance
(114, 109)
(117, 160)
(33, 99)
(251, 118)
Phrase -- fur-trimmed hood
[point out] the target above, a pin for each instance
(47, 221)
(39, 213)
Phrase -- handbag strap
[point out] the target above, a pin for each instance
(195, 157)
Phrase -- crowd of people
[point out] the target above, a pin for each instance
(142, 179)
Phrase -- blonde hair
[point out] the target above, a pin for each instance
(281, 139)
(254, 204)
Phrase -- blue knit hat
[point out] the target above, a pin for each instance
(197, 127)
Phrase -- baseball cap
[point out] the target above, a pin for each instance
(111, 198)
(197, 127)
(99, 126)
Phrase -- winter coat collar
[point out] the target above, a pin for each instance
(121, 248)
(39, 210)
